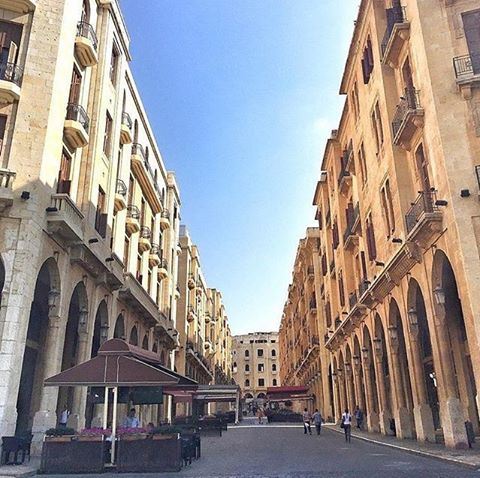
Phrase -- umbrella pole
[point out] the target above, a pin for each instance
(105, 409)
(237, 406)
(114, 422)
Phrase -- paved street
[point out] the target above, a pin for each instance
(285, 452)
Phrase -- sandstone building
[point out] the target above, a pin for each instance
(303, 358)
(89, 214)
(397, 208)
(256, 364)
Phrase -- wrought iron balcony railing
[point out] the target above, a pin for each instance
(133, 212)
(121, 188)
(410, 102)
(145, 232)
(127, 120)
(86, 30)
(77, 113)
(424, 203)
(466, 65)
(11, 72)
(395, 15)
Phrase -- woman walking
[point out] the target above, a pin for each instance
(347, 425)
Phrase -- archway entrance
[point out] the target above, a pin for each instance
(457, 341)
(369, 378)
(100, 329)
(76, 323)
(358, 371)
(45, 298)
(418, 316)
(119, 330)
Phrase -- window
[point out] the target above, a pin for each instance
(75, 86)
(272, 341)
(274, 353)
(274, 367)
(126, 251)
(471, 22)
(63, 183)
(377, 127)
(335, 235)
(422, 168)
(3, 124)
(247, 368)
(260, 353)
(131, 189)
(100, 216)
(10, 37)
(274, 382)
(341, 290)
(367, 61)
(261, 367)
(261, 382)
(371, 246)
(139, 268)
(387, 208)
(114, 65)
(355, 102)
(363, 164)
(247, 383)
(107, 137)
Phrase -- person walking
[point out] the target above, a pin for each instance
(260, 415)
(317, 420)
(358, 414)
(347, 425)
(63, 417)
(307, 428)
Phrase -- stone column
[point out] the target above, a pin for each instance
(357, 370)
(336, 397)
(350, 387)
(403, 419)
(372, 414)
(381, 387)
(46, 417)
(453, 422)
(422, 413)
(80, 393)
(343, 397)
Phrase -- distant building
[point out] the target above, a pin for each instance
(255, 364)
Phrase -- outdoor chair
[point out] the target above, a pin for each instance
(17, 447)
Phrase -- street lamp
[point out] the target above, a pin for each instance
(412, 316)
(104, 332)
(393, 332)
(52, 298)
(356, 360)
(439, 295)
(82, 317)
(365, 353)
(377, 344)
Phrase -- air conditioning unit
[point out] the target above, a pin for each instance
(323, 177)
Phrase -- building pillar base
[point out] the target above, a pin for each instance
(42, 421)
(384, 419)
(453, 423)
(8, 420)
(372, 422)
(422, 415)
(404, 423)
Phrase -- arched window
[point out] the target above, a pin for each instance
(274, 353)
(247, 383)
(247, 353)
(134, 336)
(247, 368)
(274, 382)
(274, 367)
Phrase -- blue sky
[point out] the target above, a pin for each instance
(242, 95)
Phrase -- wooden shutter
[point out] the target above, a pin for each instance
(64, 183)
(75, 85)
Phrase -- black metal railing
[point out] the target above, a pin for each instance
(332, 265)
(352, 216)
(424, 203)
(77, 113)
(154, 249)
(410, 102)
(11, 72)
(352, 300)
(165, 214)
(395, 15)
(137, 149)
(145, 232)
(163, 263)
(133, 212)
(121, 188)
(310, 270)
(86, 30)
(466, 65)
(127, 120)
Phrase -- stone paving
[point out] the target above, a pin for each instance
(268, 451)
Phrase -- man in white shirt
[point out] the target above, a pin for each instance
(347, 425)
(131, 421)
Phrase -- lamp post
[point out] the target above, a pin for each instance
(53, 295)
(439, 295)
(82, 318)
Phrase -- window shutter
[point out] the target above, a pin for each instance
(12, 53)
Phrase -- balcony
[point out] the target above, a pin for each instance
(191, 282)
(143, 172)
(64, 219)
(408, 119)
(154, 256)
(165, 219)
(76, 126)
(191, 314)
(311, 272)
(10, 82)
(208, 317)
(396, 35)
(313, 306)
(126, 129)
(324, 264)
(20, 6)
(467, 73)
(344, 177)
(6, 188)
(350, 238)
(332, 266)
(208, 344)
(162, 270)
(352, 300)
(132, 224)
(144, 243)
(423, 220)
(86, 45)
(120, 196)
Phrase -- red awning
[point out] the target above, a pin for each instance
(288, 393)
(180, 396)
(119, 364)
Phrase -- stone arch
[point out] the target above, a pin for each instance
(145, 342)
(369, 377)
(163, 357)
(358, 371)
(351, 395)
(454, 342)
(133, 339)
(45, 303)
(100, 327)
(421, 344)
(119, 330)
(155, 347)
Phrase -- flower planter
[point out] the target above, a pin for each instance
(72, 454)
(149, 455)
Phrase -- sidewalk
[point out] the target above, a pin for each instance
(20, 471)
(469, 458)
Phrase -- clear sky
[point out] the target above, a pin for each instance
(242, 95)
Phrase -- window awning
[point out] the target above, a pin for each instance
(217, 393)
(277, 394)
(119, 364)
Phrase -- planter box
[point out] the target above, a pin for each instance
(149, 455)
(210, 431)
(69, 454)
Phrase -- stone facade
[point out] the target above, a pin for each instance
(398, 213)
(256, 364)
(89, 228)
(303, 358)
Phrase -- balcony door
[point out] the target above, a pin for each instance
(471, 25)
(75, 87)
(63, 184)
